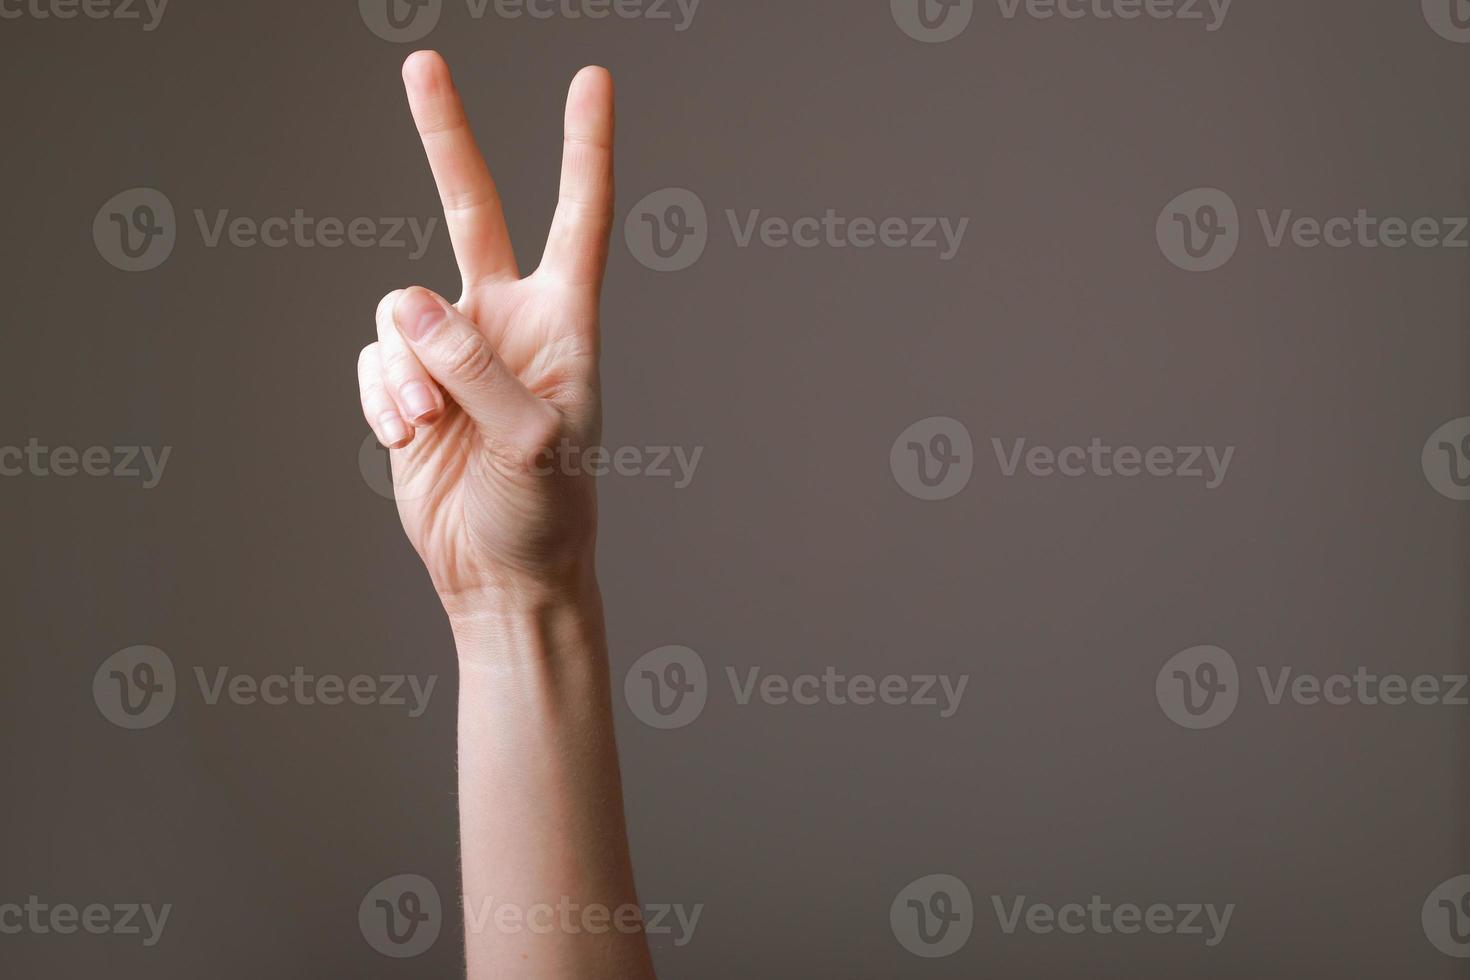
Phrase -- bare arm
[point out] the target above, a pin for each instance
(474, 398)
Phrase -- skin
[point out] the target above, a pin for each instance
(473, 398)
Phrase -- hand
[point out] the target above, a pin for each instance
(473, 399)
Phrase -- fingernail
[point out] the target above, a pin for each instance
(392, 430)
(418, 400)
(417, 313)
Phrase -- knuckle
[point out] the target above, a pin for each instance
(468, 200)
(467, 358)
(367, 359)
(442, 121)
(398, 365)
(539, 431)
(385, 305)
(597, 143)
(372, 394)
(528, 446)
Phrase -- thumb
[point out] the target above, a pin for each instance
(457, 355)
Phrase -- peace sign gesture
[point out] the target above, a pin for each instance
(474, 398)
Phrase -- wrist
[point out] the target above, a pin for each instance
(528, 622)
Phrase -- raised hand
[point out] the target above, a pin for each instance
(475, 397)
(474, 400)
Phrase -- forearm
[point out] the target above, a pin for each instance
(468, 397)
(548, 885)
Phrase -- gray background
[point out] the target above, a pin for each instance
(794, 548)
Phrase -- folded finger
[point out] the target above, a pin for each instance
(413, 391)
(458, 355)
(378, 407)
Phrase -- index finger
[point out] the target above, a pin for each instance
(472, 209)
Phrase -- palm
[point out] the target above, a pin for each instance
(480, 491)
(462, 508)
